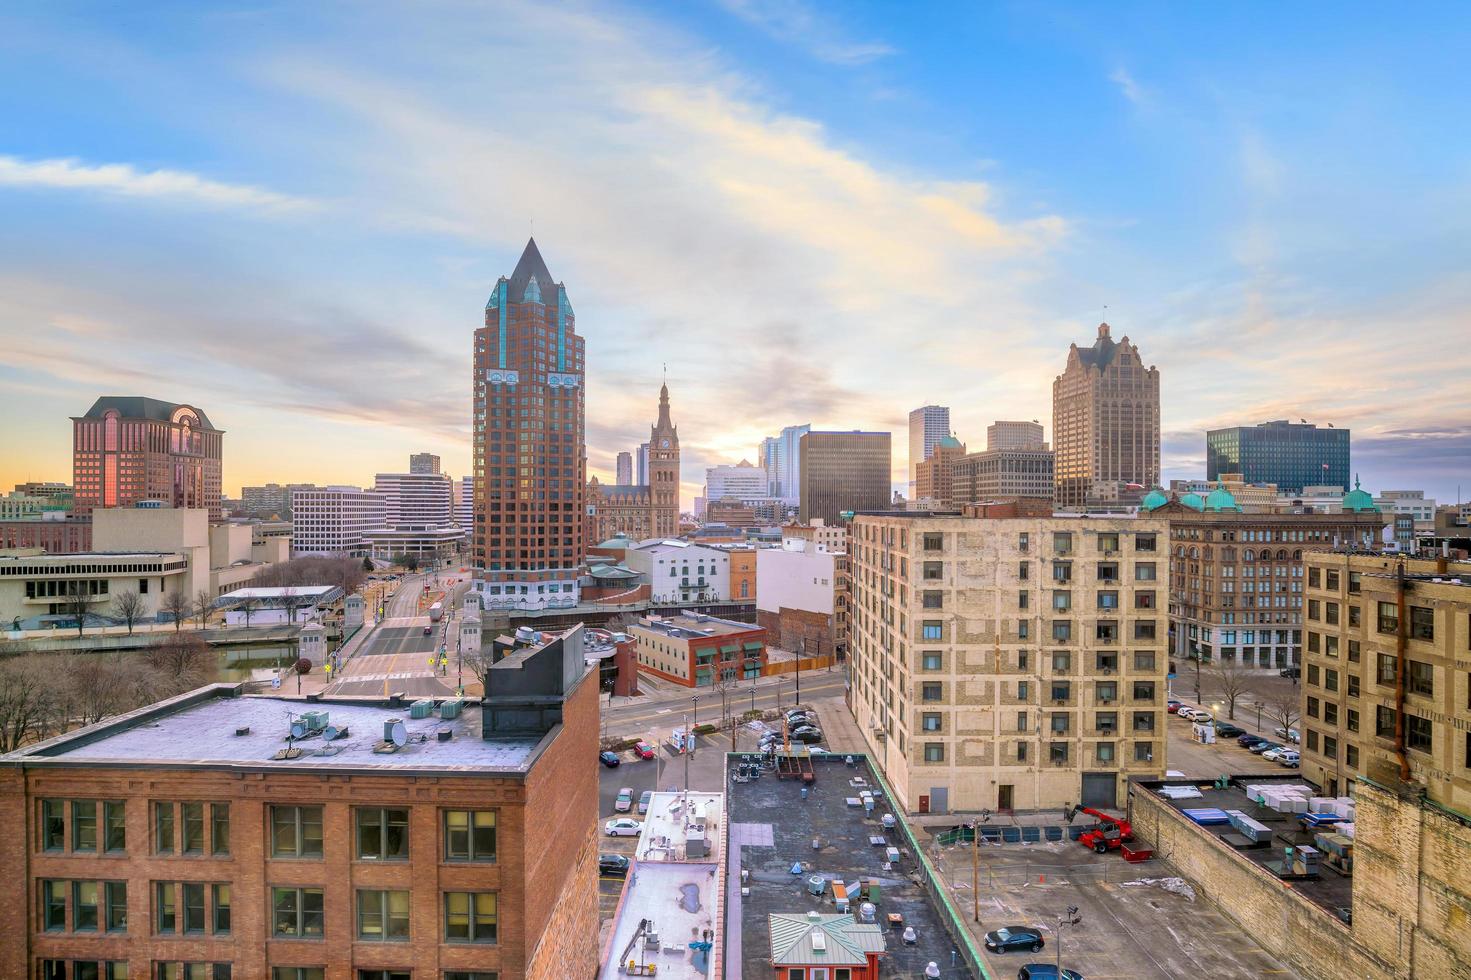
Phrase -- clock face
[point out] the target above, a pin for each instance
(664, 444)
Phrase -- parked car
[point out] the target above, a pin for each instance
(1046, 971)
(796, 713)
(803, 719)
(624, 803)
(1203, 718)
(1247, 740)
(817, 750)
(613, 864)
(1272, 754)
(1289, 758)
(807, 736)
(622, 827)
(644, 799)
(1290, 672)
(1172, 706)
(609, 759)
(805, 728)
(1225, 729)
(1290, 734)
(1007, 938)
(1263, 746)
(643, 750)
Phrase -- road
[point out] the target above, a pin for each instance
(632, 717)
(395, 656)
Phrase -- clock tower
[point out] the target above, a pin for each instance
(664, 472)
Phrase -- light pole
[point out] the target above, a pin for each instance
(696, 700)
(801, 651)
(1069, 918)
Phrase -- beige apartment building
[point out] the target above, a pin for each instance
(1009, 662)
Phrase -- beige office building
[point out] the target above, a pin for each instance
(1105, 423)
(1008, 662)
(1003, 434)
(844, 471)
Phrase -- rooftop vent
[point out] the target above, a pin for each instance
(451, 709)
(444, 734)
(819, 940)
(814, 915)
(242, 730)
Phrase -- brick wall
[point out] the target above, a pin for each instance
(1302, 934)
(789, 628)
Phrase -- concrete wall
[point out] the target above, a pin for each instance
(796, 579)
(1305, 936)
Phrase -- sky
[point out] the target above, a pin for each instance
(291, 215)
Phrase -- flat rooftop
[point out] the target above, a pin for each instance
(199, 729)
(670, 817)
(679, 901)
(1330, 890)
(772, 827)
(686, 627)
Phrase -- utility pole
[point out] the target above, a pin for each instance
(801, 651)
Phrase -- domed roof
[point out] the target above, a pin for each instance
(950, 442)
(1221, 501)
(1357, 500)
(1152, 499)
(1193, 501)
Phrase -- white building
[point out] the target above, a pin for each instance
(1015, 435)
(680, 571)
(296, 604)
(826, 537)
(415, 498)
(1412, 502)
(740, 482)
(798, 575)
(34, 588)
(927, 426)
(781, 458)
(465, 504)
(334, 520)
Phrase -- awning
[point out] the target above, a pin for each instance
(729, 648)
(753, 644)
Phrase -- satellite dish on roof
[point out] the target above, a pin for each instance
(396, 733)
(298, 728)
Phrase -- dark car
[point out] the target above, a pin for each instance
(1247, 740)
(1262, 746)
(1290, 672)
(428, 630)
(807, 736)
(612, 864)
(1228, 730)
(1046, 971)
(609, 759)
(1008, 938)
(1171, 706)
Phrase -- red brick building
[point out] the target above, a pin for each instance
(129, 449)
(693, 649)
(194, 839)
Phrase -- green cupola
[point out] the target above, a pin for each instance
(1358, 501)
(1221, 501)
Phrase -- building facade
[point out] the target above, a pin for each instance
(664, 470)
(1291, 455)
(424, 463)
(740, 482)
(928, 424)
(194, 832)
(416, 498)
(624, 469)
(802, 597)
(934, 479)
(271, 499)
(58, 536)
(1236, 577)
(697, 650)
(844, 471)
(781, 458)
(334, 521)
(641, 510)
(679, 571)
(1009, 663)
(529, 459)
(1105, 423)
(1015, 435)
(999, 474)
(129, 449)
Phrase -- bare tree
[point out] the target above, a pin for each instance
(74, 604)
(1232, 680)
(291, 600)
(179, 662)
(129, 607)
(22, 700)
(248, 605)
(204, 604)
(479, 663)
(93, 688)
(177, 605)
(1284, 708)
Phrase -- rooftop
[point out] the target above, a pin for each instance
(693, 626)
(670, 817)
(136, 407)
(772, 827)
(204, 729)
(279, 592)
(678, 900)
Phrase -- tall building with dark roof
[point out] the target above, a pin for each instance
(529, 443)
(127, 449)
(1105, 423)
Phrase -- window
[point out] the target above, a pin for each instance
(1144, 599)
(1062, 600)
(1315, 610)
(84, 906)
(1106, 691)
(934, 541)
(296, 913)
(1354, 619)
(1061, 690)
(1022, 690)
(387, 975)
(163, 828)
(1062, 661)
(383, 915)
(933, 630)
(1330, 613)
(1057, 753)
(1330, 713)
(1314, 578)
(1062, 630)
(1422, 623)
(1351, 754)
(383, 835)
(220, 898)
(1353, 651)
(1313, 707)
(1062, 542)
(1312, 741)
(1144, 629)
(469, 835)
(219, 828)
(1388, 617)
(1353, 685)
(1330, 580)
(115, 828)
(190, 971)
(1108, 542)
(193, 827)
(1108, 600)
(1107, 721)
(1144, 542)
(1353, 720)
(934, 571)
(933, 599)
(931, 661)
(1144, 660)
(300, 973)
(1024, 570)
(931, 692)
(115, 895)
(53, 825)
(1103, 751)
(84, 825)
(165, 912)
(296, 831)
(1388, 669)
(1060, 722)
(1330, 679)
(1021, 721)
(1062, 571)
(930, 721)
(482, 975)
(1023, 600)
(1314, 674)
(193, 907)
(1106, 660)
(1383, 721)
(934, 751)
(1417, 733)
(1143, 751)
(1144, 691)
(1021, 751)
(1144, 721)
(1144, 571)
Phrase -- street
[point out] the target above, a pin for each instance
(661, 712)
(394, 654)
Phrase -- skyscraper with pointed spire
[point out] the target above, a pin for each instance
(664, 470)
(644, 509)
(529, 442)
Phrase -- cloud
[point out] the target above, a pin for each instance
(125, 180)
(796, 23)
(1131, 89)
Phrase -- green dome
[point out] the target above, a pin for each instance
(1358, 501)
(1193, 501)
(950, 442)
(1152, 499)
(1220, 501)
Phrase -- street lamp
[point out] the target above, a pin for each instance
(1069, 918)
(695, 723)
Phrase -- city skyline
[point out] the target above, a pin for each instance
(310, 286)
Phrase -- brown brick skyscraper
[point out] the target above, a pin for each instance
(528, 419)
(1105, 423)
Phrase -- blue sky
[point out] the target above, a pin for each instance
(290, 215)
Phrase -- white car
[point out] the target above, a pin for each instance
(623, 827)
(1189, 713)
(1289, 758)
(1272, 755)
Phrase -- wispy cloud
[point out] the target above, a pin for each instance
(124, 179)
(1131, 89)
(796, 23)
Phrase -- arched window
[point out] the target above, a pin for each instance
(1281, 554)
(1249, 555)
(110, 430)
(1297, 555)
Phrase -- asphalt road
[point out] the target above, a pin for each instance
(634, 717)
(395, 655)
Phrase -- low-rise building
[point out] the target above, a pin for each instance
(37, 590)
(335, 521)
(801, 597)
(934, 476)
(349, 837)
(695, 650)
(1009, 663)
(680, 571)
(55, 532)
(269, 605)
(1021, 471)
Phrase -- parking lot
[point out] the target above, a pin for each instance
(1134, 921)
(1195, 759)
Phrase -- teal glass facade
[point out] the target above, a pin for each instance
(1291, 455)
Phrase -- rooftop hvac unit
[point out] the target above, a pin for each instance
(315, 720)
(451, 709)
(421, 708)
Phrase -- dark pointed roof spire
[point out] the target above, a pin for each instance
(529, 266)
(664, 420)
